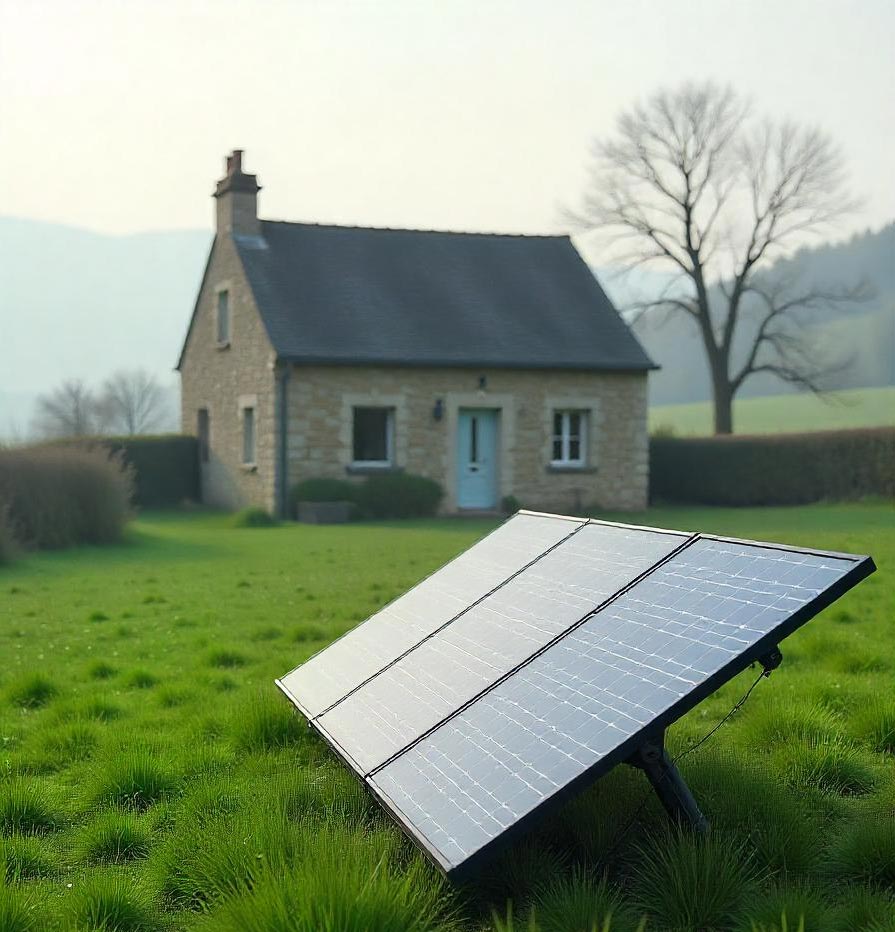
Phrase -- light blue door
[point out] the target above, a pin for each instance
(477, 458)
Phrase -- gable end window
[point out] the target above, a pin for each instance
(569, 438)
(248, 436)
(222, 329)
(373, 441)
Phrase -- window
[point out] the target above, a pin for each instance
(248, 436)
(203, 433)
(569, 438)
(223, 318)
(373, 436)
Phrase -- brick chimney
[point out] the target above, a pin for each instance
(237, 200)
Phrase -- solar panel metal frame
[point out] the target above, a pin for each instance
(862, 567)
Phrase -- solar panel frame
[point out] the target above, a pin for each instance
(312, 716)
(863, 567)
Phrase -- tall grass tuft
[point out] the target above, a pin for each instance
(580, 903)
(341, 882)
(789, 907)
(113, 838)
(863, 851)
(24, 857)
(831, 766)
(25, 808)
(32, 691)
(113, 903)
(522, 872)
(59, 496)
(19, 911)
(265, 723)
(684, 882)
(131, 778)
(253, 518)
(68, 743)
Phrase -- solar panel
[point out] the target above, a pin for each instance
(489, 640)
(567, 669)
(348, 662)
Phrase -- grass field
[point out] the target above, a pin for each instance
(151, 776)
(860, 407)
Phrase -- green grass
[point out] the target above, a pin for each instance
(775, 414)
(147, 759)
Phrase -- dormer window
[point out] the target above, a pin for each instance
(223, 318)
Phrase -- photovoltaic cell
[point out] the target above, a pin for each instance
(361, 653)
(486, 642)
(638, 663)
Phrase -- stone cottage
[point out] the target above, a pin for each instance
(493, 364)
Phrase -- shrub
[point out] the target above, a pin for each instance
(322, 490)
(781, 469)
(396, 495)
(509, 504)
(253, 517)
(9, 546)
(58, 496)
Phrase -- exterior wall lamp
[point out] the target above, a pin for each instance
(438, 410)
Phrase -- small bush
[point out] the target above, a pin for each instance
(509, 504)
(25, 808)
(253, 517)
(397, 495)
(32, 692)
(62, 495)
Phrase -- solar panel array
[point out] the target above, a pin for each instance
(540, 658)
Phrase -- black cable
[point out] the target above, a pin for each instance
(646, 796)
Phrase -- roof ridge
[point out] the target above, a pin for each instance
(357, 226)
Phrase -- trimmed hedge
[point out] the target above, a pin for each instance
(166, 467)
(390, 495)
(773, 469)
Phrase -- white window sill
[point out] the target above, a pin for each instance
(570, 467)
(371, 467)
(222, 345)
(249, 467)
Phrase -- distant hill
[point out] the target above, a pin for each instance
(865, 332)
(74, 303)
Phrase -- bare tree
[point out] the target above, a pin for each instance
(67, 411)
(692, 182)
(133, 402)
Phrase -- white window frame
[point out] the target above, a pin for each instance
(223, 294)
(389, 437)
(565, 437)
(250, 462)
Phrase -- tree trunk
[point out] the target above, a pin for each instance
(723, 398)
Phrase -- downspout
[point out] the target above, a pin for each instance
(282, 372)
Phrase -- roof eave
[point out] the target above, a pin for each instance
(341, 361)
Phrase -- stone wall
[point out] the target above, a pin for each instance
(319, 411)
(227, 379)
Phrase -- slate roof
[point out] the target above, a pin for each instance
(360, 296)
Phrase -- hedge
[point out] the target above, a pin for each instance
(53, 496)
(390, 495)
(166, 468)
(773, 469)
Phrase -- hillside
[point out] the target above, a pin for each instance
(864, 333)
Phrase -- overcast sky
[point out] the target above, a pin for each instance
(470, 115)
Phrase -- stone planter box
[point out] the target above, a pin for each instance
(324, 512)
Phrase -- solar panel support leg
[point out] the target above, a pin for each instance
(674, 794)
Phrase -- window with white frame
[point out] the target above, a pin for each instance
(569, 438)
(373, 436)
(222, 330)
(248, 436)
